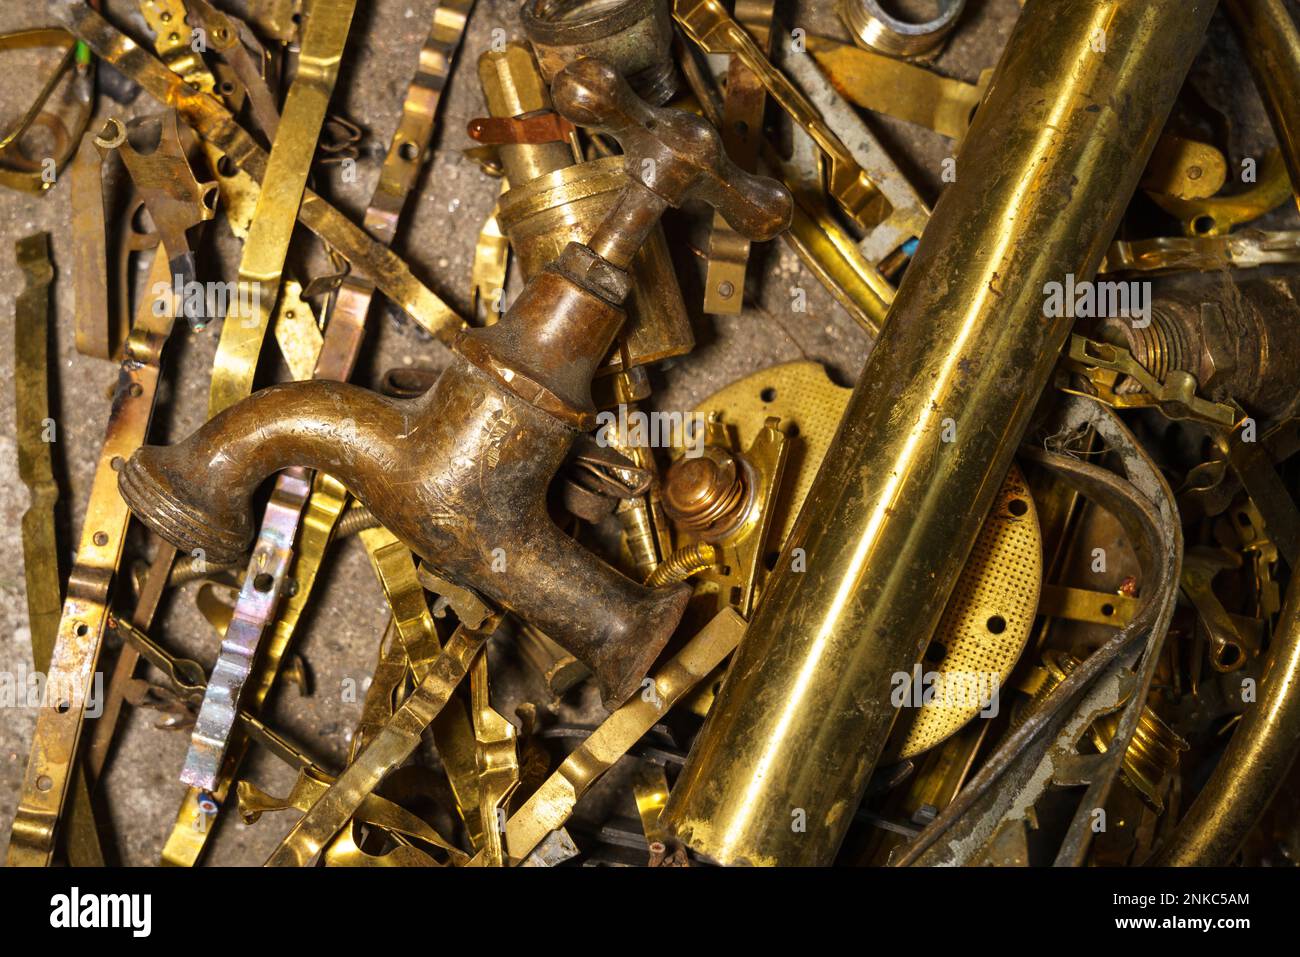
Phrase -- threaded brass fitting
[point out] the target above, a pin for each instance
(683, 563)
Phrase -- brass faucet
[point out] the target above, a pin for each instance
(460, 474)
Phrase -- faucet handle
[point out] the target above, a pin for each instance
(672, 153)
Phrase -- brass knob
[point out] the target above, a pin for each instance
(673, 154)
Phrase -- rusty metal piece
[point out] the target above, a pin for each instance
(633, 36)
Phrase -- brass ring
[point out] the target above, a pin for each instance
(875, 29)
(633, 36)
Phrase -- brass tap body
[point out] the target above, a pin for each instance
(460, 474)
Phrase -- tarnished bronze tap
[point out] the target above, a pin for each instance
(460, 474)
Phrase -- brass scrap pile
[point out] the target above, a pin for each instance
(1024, 596)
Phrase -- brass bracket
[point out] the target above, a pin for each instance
(707, 23)
(1102, 363)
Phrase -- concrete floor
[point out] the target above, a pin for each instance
(338, 636)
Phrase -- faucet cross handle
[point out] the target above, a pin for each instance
(673, 155)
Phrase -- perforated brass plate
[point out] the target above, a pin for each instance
(989, 615)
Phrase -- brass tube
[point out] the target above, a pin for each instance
(1256, 761)
(513, 86)
(1271, 42)
(1074, 110)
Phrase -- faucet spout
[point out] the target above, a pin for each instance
(458, 474)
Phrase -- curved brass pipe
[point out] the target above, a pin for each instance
(1255, 763)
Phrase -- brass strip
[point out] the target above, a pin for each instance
(173, 39)
(487, 276)
(224, 37)
(214, 123)
(551, 804)
(385, 686)
(81, 627)
(419, 114)
(375, 810)
(1270, 39)
(395, 568)
(1244, 249)
(418, 641)
(35, 435)
(497, 759)
(903, 90)
(1218, 215)
(650, 788)
(1082, 604)
(402, 164)
(743, 105)
(35, 468)
(391, 747)
(151, 591)
(825, 248)
(263, 583)
(829, 252)
(296, 332)
(187, 842)
(284, 180)
(706, 22)
(95, 319)
(910, 213)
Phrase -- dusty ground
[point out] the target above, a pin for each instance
(338, 635)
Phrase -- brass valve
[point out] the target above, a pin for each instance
(460, 474)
